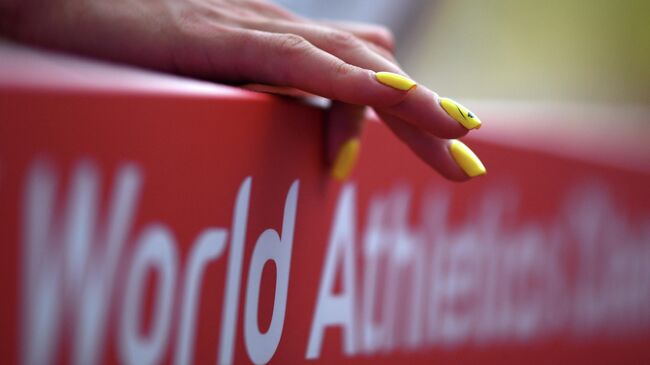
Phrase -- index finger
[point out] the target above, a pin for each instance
(422, 107)
(290, 60)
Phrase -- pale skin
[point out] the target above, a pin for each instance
(224, 41)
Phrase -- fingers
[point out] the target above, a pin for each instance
(290, 60)
(340, 66)
(343, 131)
(343, 45)
(375, 34)
(383, 52)
(438, 116)
(451, 158)
(421, 108)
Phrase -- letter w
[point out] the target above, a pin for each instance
(69, 260)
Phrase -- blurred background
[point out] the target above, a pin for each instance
(585, 51)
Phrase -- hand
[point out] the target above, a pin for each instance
(226, 40)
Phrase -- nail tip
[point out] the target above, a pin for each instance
(339, 178)
(346, 160)
(460, 113)
(395, 81)
(341, 173)
(466, 159)
(478, 174)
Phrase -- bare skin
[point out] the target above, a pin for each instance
(223, 40)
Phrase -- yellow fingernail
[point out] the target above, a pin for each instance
(346, 159)
(465, 117)
(466, 159)
(395, 81)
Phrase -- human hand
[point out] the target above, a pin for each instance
(255, 41)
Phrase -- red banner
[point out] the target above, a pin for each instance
(148, 219)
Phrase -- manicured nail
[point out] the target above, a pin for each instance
(346, 159)
(465, 117)
(466, 159)
(395, 81)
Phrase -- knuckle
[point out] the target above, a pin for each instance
(187, 22)
(341, 39)
(293, 45)
(338, 71)
(342, 69)
(292, 49)
(195, 24)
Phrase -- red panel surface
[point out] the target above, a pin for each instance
(544, 260)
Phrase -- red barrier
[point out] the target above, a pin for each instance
(152, 219)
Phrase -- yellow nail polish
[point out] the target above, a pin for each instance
(395, 81)
(346, 159)
(465, 117)
(466, 159)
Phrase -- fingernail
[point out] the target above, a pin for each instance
(346, 159)
(465, 117)
(466, 159)
(395, 81)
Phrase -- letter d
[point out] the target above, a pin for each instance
(270, 246)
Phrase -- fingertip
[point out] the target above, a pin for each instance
(450, 158)
(466, 159)
(460, 113)
(344, 126)
(396, 81)
(422, 108)
(367, 89)
(346, 159)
